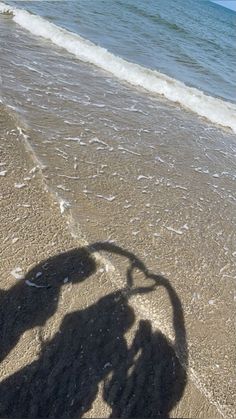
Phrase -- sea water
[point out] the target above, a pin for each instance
(182, 50)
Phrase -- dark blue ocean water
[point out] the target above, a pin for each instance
(190, 40)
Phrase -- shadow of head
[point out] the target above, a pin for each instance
(41, 293)
(73, 266)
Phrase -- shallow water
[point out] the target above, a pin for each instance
(121, 154)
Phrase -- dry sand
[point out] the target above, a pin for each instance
(34, 230)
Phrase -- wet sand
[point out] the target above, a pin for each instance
(33, 231)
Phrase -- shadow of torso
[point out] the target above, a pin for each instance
(152, 380)
(90, 347)
(21, 309)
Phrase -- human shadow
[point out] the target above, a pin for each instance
(152, 380)
(32, 301)
(146, 379)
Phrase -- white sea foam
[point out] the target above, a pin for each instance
(17, 273)
(214, 109)
(20, 185)
(109, 198)
(32, 284)
(64, 205)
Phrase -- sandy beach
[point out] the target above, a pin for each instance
(44, 327)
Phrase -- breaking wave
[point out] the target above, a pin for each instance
(214, 109)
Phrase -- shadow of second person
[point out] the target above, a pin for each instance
(151, 381)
